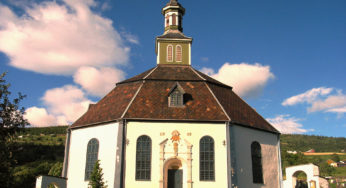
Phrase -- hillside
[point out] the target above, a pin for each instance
(38, 150)
(42, 148)
(318, 143)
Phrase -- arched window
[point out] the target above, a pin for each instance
(178, 53)
(91, 157)
(206, 159)
(143, 158)
(174, 19)
(169, 53)
(167, 21)
(256, 155)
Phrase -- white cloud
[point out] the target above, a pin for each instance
(308, 96)
(338, 110)
(68, 101)
(208, 71)
(330, 104)
(320, 99)
(247, 80)
(131, 38)
(39, 117)
(98, 82)
(62, 106)
(288, 125)
(58, 38)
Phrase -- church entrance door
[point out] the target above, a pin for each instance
(175, 178)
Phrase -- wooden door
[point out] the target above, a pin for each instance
(175, 179)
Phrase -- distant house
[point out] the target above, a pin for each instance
(310, 151)
(332, 163)
(292, 152)
(341, 164)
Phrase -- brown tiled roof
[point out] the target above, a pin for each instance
(152, 103)
(137, 77)
(111, 107)
(174, 73)
(210, 79)
(174, 35)
(145, 97)
(238, 110)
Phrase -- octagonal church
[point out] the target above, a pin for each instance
(173, 127)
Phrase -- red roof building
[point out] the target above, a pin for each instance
(173, 126)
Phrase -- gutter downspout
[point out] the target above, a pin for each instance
(119, 175)
(233, 157)
(279, 158)
(67, 152)
(229, 166)
(123, 157)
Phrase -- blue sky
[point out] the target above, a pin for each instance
(285, 58)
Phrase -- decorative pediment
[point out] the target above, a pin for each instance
(176, 87)
(176, 96)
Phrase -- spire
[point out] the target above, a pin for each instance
(173, 47)
(173, 3)
(173, 12)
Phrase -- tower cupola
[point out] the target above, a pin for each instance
(173, 47)
(173, 12)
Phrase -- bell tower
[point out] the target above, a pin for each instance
(173, 47)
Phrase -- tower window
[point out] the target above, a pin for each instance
(167, 21)
(256, 156)
(206, 159)
(174, 19)
(178, 53)
(143, 158)
(91, 157)
(176, 96)
(169, 53)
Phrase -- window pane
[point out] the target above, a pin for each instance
(170, 53)
(91, 158)
(178, 53)
(256, 156)
(207, 169)
(143, 158)
(176, 98)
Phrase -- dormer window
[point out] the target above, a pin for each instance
(176, 96)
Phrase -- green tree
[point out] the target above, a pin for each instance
(96, 177)
(326, 170)
(11, 119)
(56, 169)
(335, 157)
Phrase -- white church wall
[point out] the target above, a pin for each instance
(107, 137)
(243, 137)
(192, 133)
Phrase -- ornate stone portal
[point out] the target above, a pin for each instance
(176, 153)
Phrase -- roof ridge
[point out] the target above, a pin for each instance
(193, 70)
(255, 111)
(145, 77)
(210, 79)
(133, 98)
(218, 102)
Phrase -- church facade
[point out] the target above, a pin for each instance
(173, 127)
